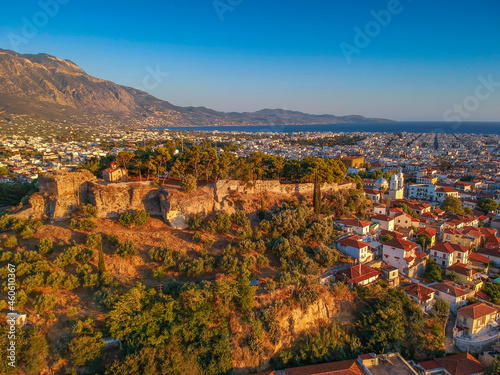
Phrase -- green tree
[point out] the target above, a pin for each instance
(85, 349)
(432, 271)
(487, 205)
(188, 183)
(442, 306)
(452, 204)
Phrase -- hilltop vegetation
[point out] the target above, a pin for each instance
(182, 301)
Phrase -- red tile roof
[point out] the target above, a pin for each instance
(349, 367)
(353, 275)
(477, 310)
(401, 244)
(449, 288)
(353, 241)
(461, 364)
(446, 247)
(419, 291)
(478, 258)
(461, 269)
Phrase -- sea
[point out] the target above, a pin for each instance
(391, 127)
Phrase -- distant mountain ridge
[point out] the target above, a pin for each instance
(49, 88)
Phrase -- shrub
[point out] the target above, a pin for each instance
(5, 222)
(223, 222)
(188, 183)
(27, 232)
(11, 242)
(90, 280)
(44, 303)
(85, 256)
(90, 211)
(126, 218)
(67, 257)
(93, 241)
(113, 238)
(196, 237)
(211, 227)
(72, 282)
(240, 218)
(56, 279)
(127, 249)
(195, 221)
(33, 282)
(208, 243)
(5, 256)
(45, 246)
(72, 311)
(85, 225)
(158, 273)
(141, 217)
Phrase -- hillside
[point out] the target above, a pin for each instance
(44, 87)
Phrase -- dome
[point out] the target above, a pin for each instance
(381, 182)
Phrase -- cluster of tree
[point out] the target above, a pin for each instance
(345, 203)
(452, 204)
(206, 163)
(13, 193)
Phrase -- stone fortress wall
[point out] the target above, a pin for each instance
(61, 193)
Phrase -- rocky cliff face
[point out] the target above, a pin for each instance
(61, 193)
(114, 198)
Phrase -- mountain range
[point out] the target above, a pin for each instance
(45, 87)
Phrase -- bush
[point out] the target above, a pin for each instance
(126, 219)
(211, 227)
(90, 211)
(45, 246)
(208, 243)
(141, 217)
(158, 273)
(72, 282)
(127, 249)
(223, 222)
(196, 237)
(113, 238)
(85, 225)
(93, 241)
(11, 242)
(44, 303)
(195, 221)
(27, 232)
(442, 306)
(188, 183)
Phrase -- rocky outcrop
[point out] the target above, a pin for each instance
(114, 198)
(61, 193)
(177, 206)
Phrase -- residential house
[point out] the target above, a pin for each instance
(424, 296)
(446, 254)
(465, 275)
(477, 260)
(404, 255)
(380, 209)
(390, 274)
(476, 318)
(441, 193)
(359, 274)
(386, 222)
(355, 248)
(464, 237)
(359, 227)
(431, 232)
(456, 296)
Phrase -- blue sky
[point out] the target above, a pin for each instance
(254, 54)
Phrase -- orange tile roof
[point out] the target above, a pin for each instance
(353, 275)
(349, 367)
(461, 364)
(446, 247)
(449, 288)
(420, 291)
(477, 310)
(401, 244)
